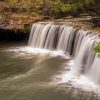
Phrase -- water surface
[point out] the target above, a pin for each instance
(27, 77)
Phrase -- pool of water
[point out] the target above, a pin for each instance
(28, 77)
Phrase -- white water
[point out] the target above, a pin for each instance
(38, 52)
(94, 71)
(84, 55)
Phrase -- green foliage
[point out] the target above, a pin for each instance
(65, 7)
(97, 49)
(57, 8)
(60, 9)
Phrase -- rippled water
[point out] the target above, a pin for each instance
(27, 77)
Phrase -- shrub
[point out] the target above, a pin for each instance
(97, 49)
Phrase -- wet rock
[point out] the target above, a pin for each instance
(12, 35)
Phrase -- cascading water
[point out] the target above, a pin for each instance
(76, 42)
(94, 72)
(81, 59)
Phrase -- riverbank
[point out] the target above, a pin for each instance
(23, 22)
(19, 29)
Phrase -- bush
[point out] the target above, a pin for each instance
(97, 49)
(60, 9)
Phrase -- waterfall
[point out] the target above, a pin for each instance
(77, 42)
(66, 39)
(94, 72)
(83, 53)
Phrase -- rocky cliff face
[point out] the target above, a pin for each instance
(97, 2)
